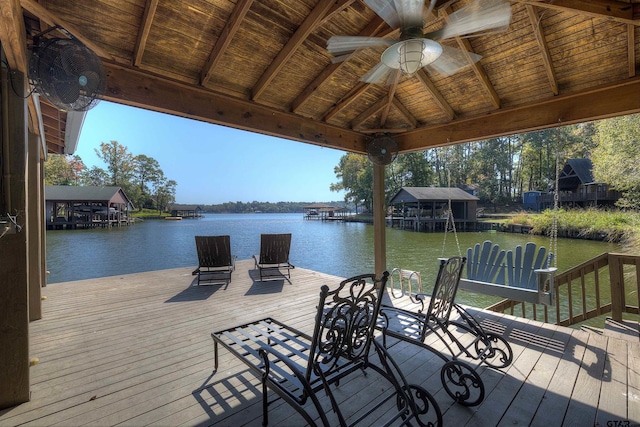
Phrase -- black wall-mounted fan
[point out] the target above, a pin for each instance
(67, 73)
(382, 150)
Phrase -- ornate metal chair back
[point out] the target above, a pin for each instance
(445, 289)
(345, 323)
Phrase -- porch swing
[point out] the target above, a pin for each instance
(524, 276)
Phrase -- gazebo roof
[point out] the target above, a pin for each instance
(263, 66)
(431, 194)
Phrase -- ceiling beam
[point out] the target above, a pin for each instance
(308, 25)
(373, 28)
(534, 18)
(132, 87)
(354, 93)
(369, 112)
(618, 11)
(395, 77)
(413, 122)
(478, 69)
(603, 102)
(439, 100)
(224, 39)
(143, 33)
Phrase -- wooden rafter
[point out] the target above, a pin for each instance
(478, 69)
(608, 9)
(371, 111)
(136, 88)
(354, 93)
(224, 39)
(390, 97)
(287, 51)
(599, 103)
(374, 28)
(145, 28)
(435, 94)
(542, 45)
(405, 113)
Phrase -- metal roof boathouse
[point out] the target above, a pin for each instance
(69, 206)
(427, 208)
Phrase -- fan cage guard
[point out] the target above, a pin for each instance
(382, 150)
(67, 73)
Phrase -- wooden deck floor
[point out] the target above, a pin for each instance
(136, 350)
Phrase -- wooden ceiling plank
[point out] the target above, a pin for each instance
(435, 94)
(143, 33)
(224, 39)
(131, 87)
(51, 19)
(631, 49)
(404, 111)
(337, 8)
(478, 69)
(372, 29)
(594, 104)
(608, 9)
(354, 93)
(544, 50)
(308, 25)
(366, 114)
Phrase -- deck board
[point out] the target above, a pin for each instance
(136, 350)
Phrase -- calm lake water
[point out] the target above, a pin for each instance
(342, 249)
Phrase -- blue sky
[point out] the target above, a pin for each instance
(214, 164)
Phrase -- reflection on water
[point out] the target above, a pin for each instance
(342, 249)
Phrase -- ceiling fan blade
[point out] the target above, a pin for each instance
(345, 44)
(486, 16)
(386, 10)
(378, 74)
(453, 60)
(410, 13)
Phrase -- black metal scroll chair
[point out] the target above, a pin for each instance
(274, 255)
(460, 336)
(214, 257)
(297, 367)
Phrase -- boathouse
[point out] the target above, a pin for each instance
(70, 206)
(323, 212)
(186, 211)
(427, 208)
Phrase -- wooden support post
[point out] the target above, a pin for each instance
(616, 280)
(379, 222)
(14, 280)
(34, 227)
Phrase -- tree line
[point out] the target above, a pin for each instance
(502, 169)
(140, 176)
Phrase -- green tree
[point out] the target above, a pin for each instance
(355, 177)
(61, 169)
(617, 156)
(146, 170)
(119, 163)
(94, 176)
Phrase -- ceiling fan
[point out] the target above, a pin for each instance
(415, 49)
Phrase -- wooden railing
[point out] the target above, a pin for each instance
(608, 283)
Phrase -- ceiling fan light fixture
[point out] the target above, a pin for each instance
(411, 55)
